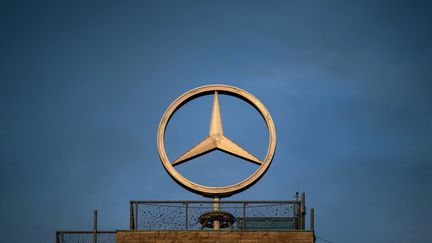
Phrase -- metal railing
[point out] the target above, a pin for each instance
(250, 215)
(95, 235)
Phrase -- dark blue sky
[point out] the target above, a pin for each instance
(83, 86)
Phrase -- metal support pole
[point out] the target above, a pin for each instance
(187, 215)
(296, 212)
(216, 208)
(131, 217)
(57, 237)
(136, 215)
(312, 219)
(95, 226)
(303, 210)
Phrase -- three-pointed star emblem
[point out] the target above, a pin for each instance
(216, 140)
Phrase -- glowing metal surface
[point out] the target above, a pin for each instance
(216, 139)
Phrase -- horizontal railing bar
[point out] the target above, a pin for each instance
(208, 201)
(85, 232)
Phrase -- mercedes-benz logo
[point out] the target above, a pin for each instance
(216, 139)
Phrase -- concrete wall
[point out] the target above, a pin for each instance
(204, 236)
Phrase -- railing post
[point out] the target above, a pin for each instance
(303, 210)
(136, 215)
(296, 212)
(57, 237)
(312, 219)
(95, 226)
(131, 217)
(187, 215)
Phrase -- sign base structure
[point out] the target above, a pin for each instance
(206, 221)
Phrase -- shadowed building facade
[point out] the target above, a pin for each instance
(215, 236)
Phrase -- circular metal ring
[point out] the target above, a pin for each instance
(223, 190)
